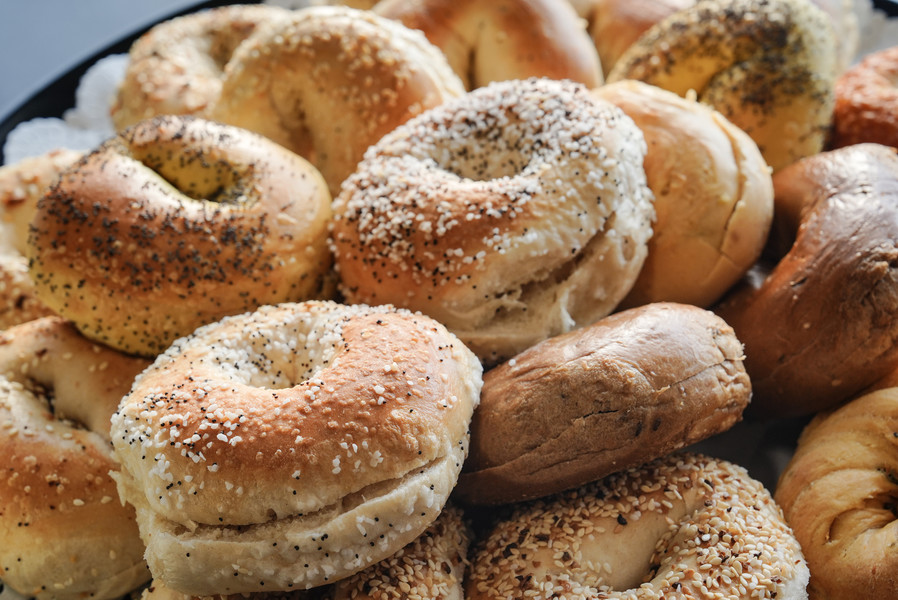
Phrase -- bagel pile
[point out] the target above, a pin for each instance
(454, 300)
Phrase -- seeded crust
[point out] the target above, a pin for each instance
(503, 39)
(174, 223)
(625, 390)
(713, 196)
(769, 66)
(66, 535)
(18, 301)
(331, 81)
(293, 446)
(177, 66)
(685, 526)
(867, 102)
(838, 494)
(518, 212)
(822, 325)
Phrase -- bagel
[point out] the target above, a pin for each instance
(867, 102)
(713, 196)
(18, 301)
(176, 67)
(515, 213)
(503, 39)
(615, 25)
(330, 81)
(65, 534)
(838, 495)
(174, 223)
(768, 66)
(22, 184)
(684, 526)
(293, 446)
(621, 392)
(822, 325)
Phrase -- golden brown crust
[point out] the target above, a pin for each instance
(684, 526)
(175, 223)
(18, 300)
(713, 196)
(768, 66)
(823, 324)
(517, 212)
(503, 39)
(621, 392)
(176, 67)
(310, 441)
(838, 495)
(867, 102)
(331, 81)
(65, 533)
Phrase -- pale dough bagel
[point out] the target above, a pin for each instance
(684, 526)
(867, 102)
(66, 535)
(768, 66)
(713, 196)
(513, 214)
(22, 184)
(822, 325)
(615, 25)
(293, 446)
(838, 495)
(430, 567)
(18, 300)
(503, 39)
(174, 223)
(621, 392)
(177, 66)
(330, 81)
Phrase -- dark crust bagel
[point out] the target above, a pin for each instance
(867, 102)
(823, 324)
(621, 392)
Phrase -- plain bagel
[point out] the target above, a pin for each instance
(822, 324)
(66, 535)
(515, 213)
(621, 392)
(174, 223)
(293, 446)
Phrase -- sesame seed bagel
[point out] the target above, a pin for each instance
(18, 300)
(174, 223)
(822, 324)
(66, 535)
(684, 526)
(867, 102)
(769, 66)
(177, 66)
(713, 196)
(330, 81)
(503, 39)
(293, 446)
(838, 494)
(518, 212)
(615, 394)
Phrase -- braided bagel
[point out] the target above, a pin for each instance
(768, 66)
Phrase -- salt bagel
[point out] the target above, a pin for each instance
(683, 526)
(838, 495)
(713, 196)
(293, 446)
(177, 66)
(768, 66)
(503, 39)
(867, 101)
(515, 213)
(174, 223)
(621, 392)
(822, 325)
(66, 535)
(330, 81)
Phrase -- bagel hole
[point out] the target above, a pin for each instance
(46, 396)
(488, 150)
